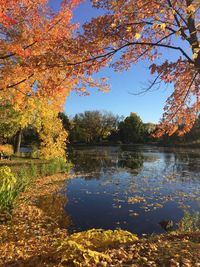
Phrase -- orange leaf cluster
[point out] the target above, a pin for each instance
(143, 29)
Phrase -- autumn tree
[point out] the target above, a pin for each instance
(149, 129)
(194, 134)
(39, 57)
(146, 30)
(66, 122)
(9, 121)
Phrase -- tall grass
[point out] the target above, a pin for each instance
(14, 180)
(190, 222)
(7, 187)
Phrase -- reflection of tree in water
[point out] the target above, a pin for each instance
(133, 161)
(187, 162)
(99, 161)
(53, 205)
(182, 163)
(90, 162)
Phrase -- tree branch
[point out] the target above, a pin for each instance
(15, 84)
(155, 82)
(194, 42)
(185, 97)
(33, 43)
(177, 21)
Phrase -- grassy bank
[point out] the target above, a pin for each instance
(18, 173)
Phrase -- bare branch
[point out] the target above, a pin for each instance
(155, 82)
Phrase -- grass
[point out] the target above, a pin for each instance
(17, 174)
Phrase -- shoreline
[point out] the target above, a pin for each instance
(31, 233)
(35, 229)
(187, 146)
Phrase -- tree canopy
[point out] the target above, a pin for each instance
(93, 126)
(43, 57)
(38, 59)
(131, 130)
(143, 30)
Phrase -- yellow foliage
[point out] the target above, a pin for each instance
(137, 36)
(7, 183)
(129, 29)
(7, 179)
(163, 26)
(89, 247)
(53, 138)
(191, 9)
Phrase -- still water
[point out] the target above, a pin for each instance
(132, 187)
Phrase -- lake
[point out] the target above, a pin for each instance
(133, 188)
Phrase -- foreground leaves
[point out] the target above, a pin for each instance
(32, 236)
(86, 248)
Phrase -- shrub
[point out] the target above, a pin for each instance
(88, 248)
(35, 153)
(190, 222)
(6, 149)
(7, 184)
(15, 181)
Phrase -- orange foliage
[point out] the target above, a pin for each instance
(41, 58)
(38, 58)
(39, 54)
(6, 149)
(143, 29)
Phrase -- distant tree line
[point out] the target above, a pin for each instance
(92, 127)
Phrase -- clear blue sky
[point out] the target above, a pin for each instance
(119, 101)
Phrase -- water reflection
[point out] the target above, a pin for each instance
(53, 205)
(101, 160)
(132, 188)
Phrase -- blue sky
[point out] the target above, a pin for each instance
(119, 100)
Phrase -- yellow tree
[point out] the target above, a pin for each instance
(38, 55)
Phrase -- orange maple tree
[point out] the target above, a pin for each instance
(38, 59)
(143, 29)
(35, 52)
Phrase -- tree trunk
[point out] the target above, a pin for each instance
(18, 140)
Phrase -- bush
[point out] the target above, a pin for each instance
(190, 222)
(88, 248)
(6, 149)
(14, 181)
(7, 184)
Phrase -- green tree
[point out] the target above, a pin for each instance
(9, 121)
(93, 126)
(67, 124)
(131, 130)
